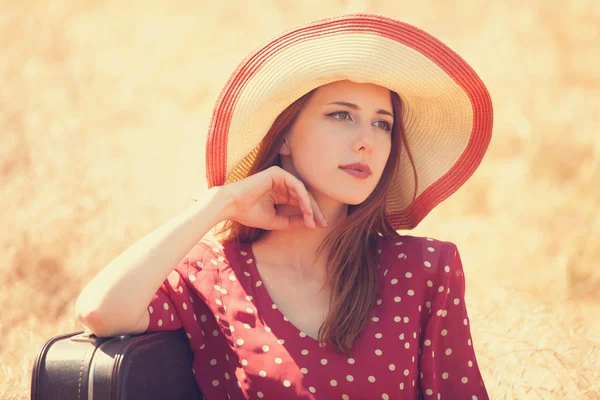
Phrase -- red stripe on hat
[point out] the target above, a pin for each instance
(442, 55)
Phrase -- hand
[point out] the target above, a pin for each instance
(252, 200)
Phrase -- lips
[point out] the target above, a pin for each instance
(357, 167)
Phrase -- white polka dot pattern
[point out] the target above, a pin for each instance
(446, 332)
(246, 348)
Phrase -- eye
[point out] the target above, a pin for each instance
(385, 125)
(339, 113)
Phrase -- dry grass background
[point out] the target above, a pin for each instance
(103, 109)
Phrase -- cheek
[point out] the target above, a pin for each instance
(316, 158)
(317, 146)
(317, 155)
(384, 154)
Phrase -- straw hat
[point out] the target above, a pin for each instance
(447, 109)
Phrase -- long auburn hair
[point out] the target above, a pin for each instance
(352, 267)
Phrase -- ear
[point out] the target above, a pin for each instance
(285, 150)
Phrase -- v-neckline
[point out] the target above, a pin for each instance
(277, 313)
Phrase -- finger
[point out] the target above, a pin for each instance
(302, 194)
(285, 191)
(304, 198)
(319, 215)
(290, 198)
(307, 212)
(315, 215)
(294, 198)
(288, 222)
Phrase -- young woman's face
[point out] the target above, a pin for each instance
(328, 134)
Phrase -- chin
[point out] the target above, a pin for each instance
(354, 199)
(355, 203)
(345, 195)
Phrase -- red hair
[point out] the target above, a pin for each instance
(352, 269)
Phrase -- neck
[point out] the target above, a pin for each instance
(296, 249)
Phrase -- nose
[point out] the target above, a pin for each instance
(365, 138)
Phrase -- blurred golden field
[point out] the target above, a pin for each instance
(104, 107)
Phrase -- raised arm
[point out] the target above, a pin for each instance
(116, 300)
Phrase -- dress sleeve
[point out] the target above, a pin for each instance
(448, 365)
(181, 300)
(162, 309)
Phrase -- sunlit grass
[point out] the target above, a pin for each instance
(103, 111)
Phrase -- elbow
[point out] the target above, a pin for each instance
(92, 321)
(99, 324)
(90, 317)
(96, 324)
(89, 320)
(84, 307)
(85, 315)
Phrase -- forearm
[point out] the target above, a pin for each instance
(121, 292)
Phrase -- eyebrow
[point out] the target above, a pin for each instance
(355, 107)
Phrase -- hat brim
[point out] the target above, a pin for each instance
(447, 109)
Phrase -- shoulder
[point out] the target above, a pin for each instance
(427, 253)
(206, 255)
(399, 243)
(432, 265)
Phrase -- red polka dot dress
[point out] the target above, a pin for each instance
(416, 345)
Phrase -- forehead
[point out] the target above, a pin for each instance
(354, 92)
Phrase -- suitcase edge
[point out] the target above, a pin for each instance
(40, 356)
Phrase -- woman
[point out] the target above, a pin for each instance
(323, 143)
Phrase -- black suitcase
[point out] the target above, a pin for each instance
(79, 365)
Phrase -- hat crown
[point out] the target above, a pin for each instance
(447, 111)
